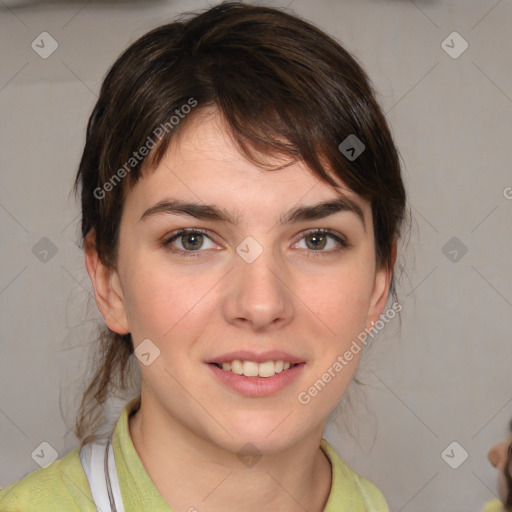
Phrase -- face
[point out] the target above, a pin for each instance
(247, 288)
(497, 456)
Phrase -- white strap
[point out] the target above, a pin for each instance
(92, 456)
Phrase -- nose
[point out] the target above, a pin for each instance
(259, 295)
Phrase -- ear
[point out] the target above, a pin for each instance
(380, 292)
(107, 288)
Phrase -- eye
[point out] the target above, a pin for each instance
(191, 240)
(318, 239)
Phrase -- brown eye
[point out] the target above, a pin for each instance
(189, 242)
(192, 240)
(318, 240)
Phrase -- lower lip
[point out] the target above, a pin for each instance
(258, 386)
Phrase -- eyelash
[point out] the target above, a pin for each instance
(344, 244)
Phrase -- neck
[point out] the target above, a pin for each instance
(292, 481)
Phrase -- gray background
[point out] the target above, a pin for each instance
(443, 376)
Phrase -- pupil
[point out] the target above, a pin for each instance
(193, 236)
(317, 236)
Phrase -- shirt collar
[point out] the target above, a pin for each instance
(139, 491)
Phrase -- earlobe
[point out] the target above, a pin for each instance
(380, 295)
(382, 287)
(110, 301)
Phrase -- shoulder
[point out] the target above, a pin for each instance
(372, 496)
(61, 486)
(347, 483)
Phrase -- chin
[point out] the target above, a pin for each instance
(259, 444)
(269, 434)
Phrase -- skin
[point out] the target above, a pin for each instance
(497, 456)
(190, 426)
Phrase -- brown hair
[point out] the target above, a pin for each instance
(283, 86)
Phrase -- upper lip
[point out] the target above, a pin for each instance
(245, 355)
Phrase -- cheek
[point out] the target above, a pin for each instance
(162, 304)
(159, 303)
(340, 302)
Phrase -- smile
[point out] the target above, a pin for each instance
(254, 369)
(256, 385)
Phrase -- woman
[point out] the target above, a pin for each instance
(241, 203)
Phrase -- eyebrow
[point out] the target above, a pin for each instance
(214, 213)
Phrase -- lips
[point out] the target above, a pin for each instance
(257, 374)
(257, 386)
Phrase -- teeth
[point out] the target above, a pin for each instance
(250, 369)
(253, 369)
(266, 369)
(237, 367)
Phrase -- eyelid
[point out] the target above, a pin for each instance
(184, 231)
(340, 239)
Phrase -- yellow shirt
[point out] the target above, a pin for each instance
(493, 506)
(63, 487)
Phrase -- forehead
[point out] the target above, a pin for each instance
(204, 164)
